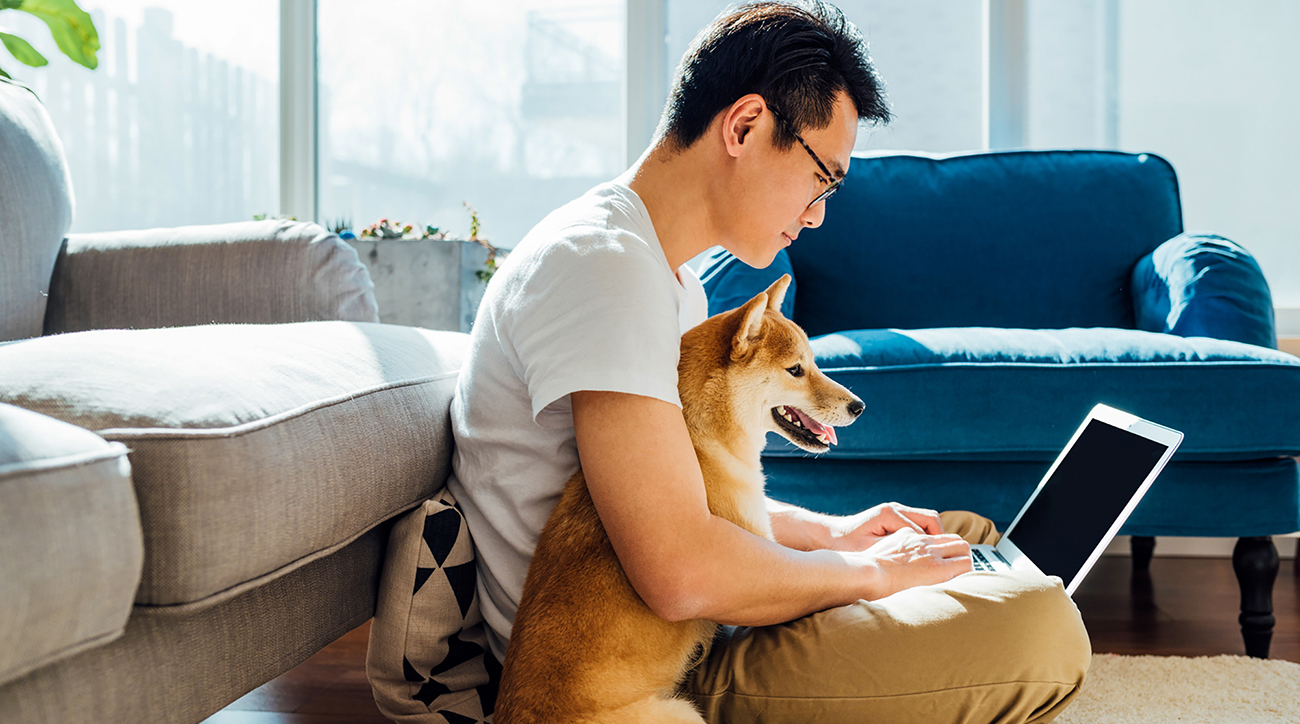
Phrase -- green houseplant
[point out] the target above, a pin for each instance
(73, 30)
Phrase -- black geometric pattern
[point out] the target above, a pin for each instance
(464, 583)
(441, 531)
(461, 686)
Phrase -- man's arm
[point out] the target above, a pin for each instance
(687, 563)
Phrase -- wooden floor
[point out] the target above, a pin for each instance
(1188, 607)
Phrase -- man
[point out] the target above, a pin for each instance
(574, 355)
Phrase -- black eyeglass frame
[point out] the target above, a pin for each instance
(835, 183)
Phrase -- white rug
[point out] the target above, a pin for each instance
(1172, 689)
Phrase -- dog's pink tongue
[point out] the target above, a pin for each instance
(816, 427)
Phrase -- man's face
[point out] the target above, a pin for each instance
(776, 187)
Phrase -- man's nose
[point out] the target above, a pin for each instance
(813, 216)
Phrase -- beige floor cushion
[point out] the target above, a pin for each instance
(255, 448)
(70, 544)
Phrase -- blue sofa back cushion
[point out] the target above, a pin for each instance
(1018, 394)
(1029, 239)
(1203, 285)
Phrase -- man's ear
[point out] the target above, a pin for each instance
(751, 327)
(776, 293)
(740, 120)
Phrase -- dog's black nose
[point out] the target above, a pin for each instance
(856, 407)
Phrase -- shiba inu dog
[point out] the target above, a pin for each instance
(585, 647)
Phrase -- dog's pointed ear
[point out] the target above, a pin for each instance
(776, 293)
(751, 327)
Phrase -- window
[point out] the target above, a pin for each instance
(513, 106)
(178, 125)
(1210, 86)
(518, 106)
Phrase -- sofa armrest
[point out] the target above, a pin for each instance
(256, 272)
(1203, 285)
(729, 282)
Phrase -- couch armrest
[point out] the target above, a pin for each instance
(1203, 285)
(256, 272)
(730, 282)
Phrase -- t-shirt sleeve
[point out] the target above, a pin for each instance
(599, 316)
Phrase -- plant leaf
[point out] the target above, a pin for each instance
(23, 50)
(5, 75)
(73, 30)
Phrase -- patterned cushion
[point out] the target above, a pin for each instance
(428, 660)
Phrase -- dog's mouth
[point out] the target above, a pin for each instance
(802, 430)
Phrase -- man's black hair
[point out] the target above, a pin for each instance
(797, 55)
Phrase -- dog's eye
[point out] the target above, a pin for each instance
(796, 371)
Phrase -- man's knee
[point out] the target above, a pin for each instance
(1054, 638)
(970, 526)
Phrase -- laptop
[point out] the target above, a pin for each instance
(1087, 494)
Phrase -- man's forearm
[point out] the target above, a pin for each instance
(730, 576)
(801, 529)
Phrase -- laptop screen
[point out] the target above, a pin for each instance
(1084, 497)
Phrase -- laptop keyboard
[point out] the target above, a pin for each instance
(979, 562)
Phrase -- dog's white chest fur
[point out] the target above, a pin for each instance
(736, 490)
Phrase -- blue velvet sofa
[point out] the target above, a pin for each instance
(981, 304)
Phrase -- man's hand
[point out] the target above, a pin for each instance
(864, 530)
(906, 558)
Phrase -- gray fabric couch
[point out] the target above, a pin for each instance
(205, 435)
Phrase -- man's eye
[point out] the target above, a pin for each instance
(796, 371)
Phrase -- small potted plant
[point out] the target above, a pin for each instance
(422, 276)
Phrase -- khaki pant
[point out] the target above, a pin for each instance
(980, 648)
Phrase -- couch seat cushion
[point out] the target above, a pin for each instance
(70, 534)
(255, 448)
(1017, 394)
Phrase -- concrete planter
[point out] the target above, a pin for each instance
(429, 283)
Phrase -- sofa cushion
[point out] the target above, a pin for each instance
(1016, 394)
(255, 448)
(70, 533)
(35, 209)
(245, 272)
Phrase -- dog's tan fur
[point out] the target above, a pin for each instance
(585, 647)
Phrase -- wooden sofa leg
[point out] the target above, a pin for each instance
(1256, 563)
(1143, 548)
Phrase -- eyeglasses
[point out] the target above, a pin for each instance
(835, 183)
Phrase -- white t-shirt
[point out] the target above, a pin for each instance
(587, 301)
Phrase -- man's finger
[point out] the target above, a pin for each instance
(900, 519)
(927, 520)
(950, 548)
